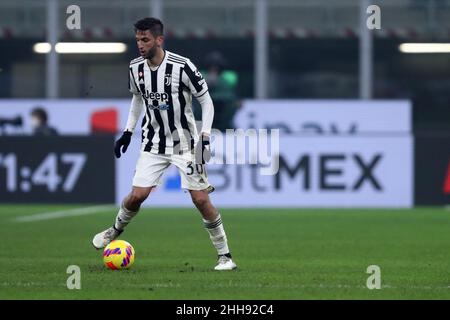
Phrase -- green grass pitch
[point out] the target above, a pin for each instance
(281, 254)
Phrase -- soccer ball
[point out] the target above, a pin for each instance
(118, 255)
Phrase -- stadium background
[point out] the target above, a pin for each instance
(342, 96)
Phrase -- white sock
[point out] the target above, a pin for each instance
(124, 217)
(217, 235)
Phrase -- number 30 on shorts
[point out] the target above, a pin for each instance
(199, 168)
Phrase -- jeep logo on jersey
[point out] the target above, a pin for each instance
(161, 99)
(158, 96)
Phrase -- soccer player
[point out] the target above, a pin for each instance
(162, 84)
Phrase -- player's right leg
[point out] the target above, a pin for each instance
(149, 170)
(128, 209)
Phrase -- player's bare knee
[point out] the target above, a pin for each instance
(136, 197)
(200, 200)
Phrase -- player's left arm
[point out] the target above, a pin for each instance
(203, 154)
(199, 89)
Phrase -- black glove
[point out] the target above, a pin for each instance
(202, 150)
(123, 142)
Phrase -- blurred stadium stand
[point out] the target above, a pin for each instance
(233, 18)
(313, 48)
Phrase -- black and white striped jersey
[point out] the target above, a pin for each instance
(168, 125)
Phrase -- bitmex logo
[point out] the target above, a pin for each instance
(333, 165)
(337, 172)
(447, 180)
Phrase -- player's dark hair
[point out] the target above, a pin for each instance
(155, 26)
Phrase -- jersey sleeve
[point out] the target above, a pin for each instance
(136, 107)
(193, 79)
(132, 85)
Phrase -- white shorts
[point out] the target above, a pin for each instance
(150, 168)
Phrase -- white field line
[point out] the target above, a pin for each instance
(64, 213)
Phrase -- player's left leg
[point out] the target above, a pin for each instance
(194, 179)
(214, 226)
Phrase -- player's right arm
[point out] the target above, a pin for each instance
(136, 107)
(137, 104)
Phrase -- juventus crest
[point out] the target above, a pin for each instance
(168, 79)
